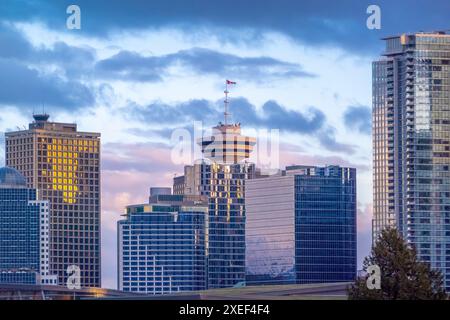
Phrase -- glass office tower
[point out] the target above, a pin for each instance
(411, 138)
(23, 232)
(64, 165)
(301, 226)
(162, 246)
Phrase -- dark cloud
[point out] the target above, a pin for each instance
(358, 118)
(25, 85)
(13, 44)
(76, 62)
(165, 114)
(319, 22)
(26, 88)
(271, 116)
(71, 61)
(277, 116)
(327, 139)
(132, 66)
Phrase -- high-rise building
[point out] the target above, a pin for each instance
(411, 139)
(162, 245)
(64, 165)
(24, 232)
(221, 177)
(301, 226)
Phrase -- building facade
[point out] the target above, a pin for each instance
(301, 226)
(411, 137)
(64, 165)
(24, 232)
(162, 245)
(224, 185)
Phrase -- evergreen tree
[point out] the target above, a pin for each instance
(403, 277)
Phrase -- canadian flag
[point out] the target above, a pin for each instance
(231, 82)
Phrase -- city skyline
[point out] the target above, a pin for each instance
(136, 81)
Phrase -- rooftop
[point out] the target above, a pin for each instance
(11, 178)
(324, 291)
(420, 33)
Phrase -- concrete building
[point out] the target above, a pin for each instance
(64, 165)
(301, 226)
(411, 140)
(189, 183)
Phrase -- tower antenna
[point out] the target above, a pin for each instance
(226, 102)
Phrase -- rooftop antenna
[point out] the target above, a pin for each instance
(226, 102)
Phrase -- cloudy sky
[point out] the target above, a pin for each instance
(137, 70)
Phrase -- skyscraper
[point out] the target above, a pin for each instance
(162, 245)
(221, 176)
(24, 256)
(411, 139)
(223, 183)
(301, 226)
(64, 165)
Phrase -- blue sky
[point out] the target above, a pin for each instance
(139, 69)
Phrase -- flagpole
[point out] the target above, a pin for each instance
(226, 103)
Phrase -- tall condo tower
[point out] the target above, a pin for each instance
(63, 164)
(411, 142)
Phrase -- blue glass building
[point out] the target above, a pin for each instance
(19, 230)
(162, 246)
(301, 226)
